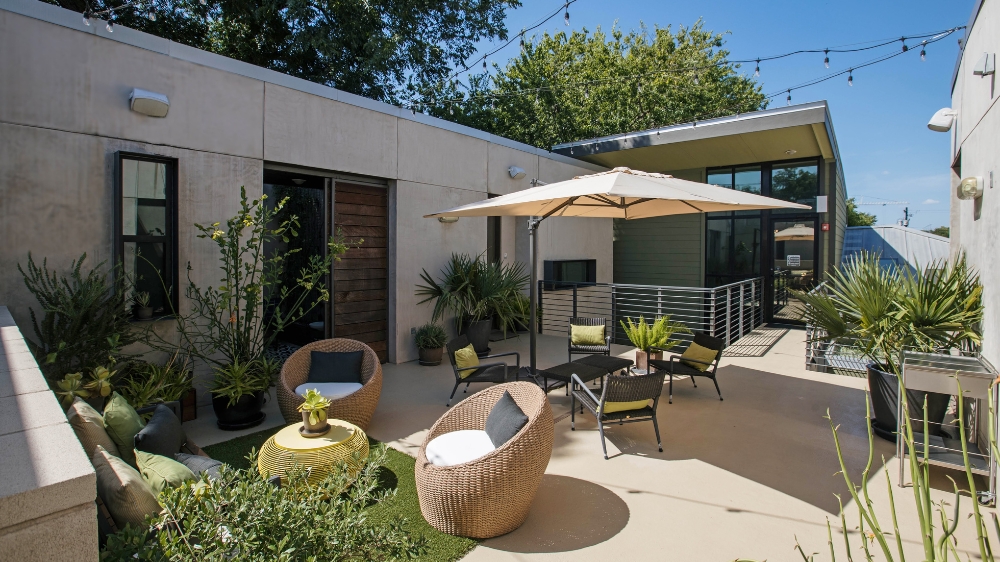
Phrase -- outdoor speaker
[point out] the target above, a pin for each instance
(149, 103)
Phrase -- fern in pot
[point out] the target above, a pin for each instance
(881, 311)
(430, 339)
(646, 337)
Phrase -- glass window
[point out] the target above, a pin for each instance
(721, 178)
(717, 244)
(145, 232)
(746, 247)
(748, 179)
(798, 183)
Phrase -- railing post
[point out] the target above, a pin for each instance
(753, 302)
(729, 311)
(742, 293)
(711, 314)
(614, 315)
(574, 301)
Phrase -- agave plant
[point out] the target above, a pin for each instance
(646, 336)
(884, 310)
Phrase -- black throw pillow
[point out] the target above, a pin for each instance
(505, 420)
(199, 464)
(335, 366)
(163, 434)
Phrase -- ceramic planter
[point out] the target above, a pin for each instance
(245, 412)
(143, 312)
(479, 335)
(314, 429)
(642, 359)
(431, 357)
(884, 388)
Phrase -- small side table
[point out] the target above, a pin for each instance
(319, 455)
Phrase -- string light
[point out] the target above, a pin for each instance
(566, 14)
(923, 51)
(756, 71)
(696, 78)
(484, 63)
(86, 18)
(522, 41)
(850, 77)
(110, 26)
(905, 48)
(826, 58)
(151, 15)
(788, 100)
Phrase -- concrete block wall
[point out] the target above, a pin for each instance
(48, 488)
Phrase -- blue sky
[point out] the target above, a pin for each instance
(880, 122)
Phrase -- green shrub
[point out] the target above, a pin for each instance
(646, 336)
(242, 517)
(142, 384)
(431, 336)
(84, 320)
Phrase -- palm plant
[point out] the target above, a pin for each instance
(646, 336)
(884, 310)
(473, 289)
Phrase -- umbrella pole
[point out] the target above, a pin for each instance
(533, 290)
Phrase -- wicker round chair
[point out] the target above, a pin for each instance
(356, 408)
(489, 496)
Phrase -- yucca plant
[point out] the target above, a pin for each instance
(658, 335)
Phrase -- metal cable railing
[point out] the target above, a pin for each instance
(727, 312)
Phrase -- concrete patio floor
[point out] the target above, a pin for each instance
(739, 478)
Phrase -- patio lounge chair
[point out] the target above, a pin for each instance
(620, 388)
(494, 372)
(356, 408)
(491, 495)
(675, 366)
(588, 349)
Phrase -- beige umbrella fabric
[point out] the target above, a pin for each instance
(796, 232)
(620, 193)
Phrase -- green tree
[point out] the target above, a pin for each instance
(941, 231)
(856, 217)
(373, 48)
(582, 85)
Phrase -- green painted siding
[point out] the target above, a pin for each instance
(660, 251)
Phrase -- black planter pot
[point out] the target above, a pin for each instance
(479, 335)
(244, 413)
(884, 389)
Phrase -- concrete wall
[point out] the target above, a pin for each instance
(47, 493)
(976, 135)
(67, 112)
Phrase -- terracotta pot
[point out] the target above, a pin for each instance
(431, 357)
(642, 359)
(189, 405)
(320, 427)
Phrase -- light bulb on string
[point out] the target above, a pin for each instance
(923, 51)
(451, 109)
(110, 26)
(788, 100)
(850, 77)
(484, 63)
(756, 71)
(905, 48)
(566, 14)
(151, 15)
(695, 78)
(826, 58)
(86, 18)
(522, 40)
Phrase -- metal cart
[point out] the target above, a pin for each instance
(931, 372)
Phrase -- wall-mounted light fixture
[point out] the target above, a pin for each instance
(985, 66)
(516, 173)
(447, 220)
(942, 120)
(149, 103)
(970, 188)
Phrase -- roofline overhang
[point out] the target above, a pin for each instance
(812, 113)
(965, 41)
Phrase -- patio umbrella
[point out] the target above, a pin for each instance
(621, 193)
(797, 232)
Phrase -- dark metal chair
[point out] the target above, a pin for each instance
(494, 372)
(675, 366)
(620, 388)
(588, 349)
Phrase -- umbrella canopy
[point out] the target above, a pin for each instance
(620, 193)
(796, 232)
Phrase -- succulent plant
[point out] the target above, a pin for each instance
(316, 404)
(70, 387)
(141, 299)
(100, 381)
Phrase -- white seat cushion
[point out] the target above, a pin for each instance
(331, 390)
(458, 447)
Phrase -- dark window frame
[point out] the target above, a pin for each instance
(170, 202)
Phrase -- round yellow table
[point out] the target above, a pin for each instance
(345, 443)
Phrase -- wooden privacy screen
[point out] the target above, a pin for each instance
(360, 303)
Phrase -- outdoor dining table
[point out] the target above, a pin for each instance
(587, 369)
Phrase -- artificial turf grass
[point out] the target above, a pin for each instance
(441, 547)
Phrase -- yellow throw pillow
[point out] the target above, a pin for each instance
(587, 335)
(612, 407)
(698, 353)
(466, 360)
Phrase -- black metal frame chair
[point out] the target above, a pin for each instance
(494, 372)
(588, 349)
(619, 388)
(675, 366)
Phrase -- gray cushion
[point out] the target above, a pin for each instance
(505, 420)
(199, 464)
(162, 435)
(335, 366)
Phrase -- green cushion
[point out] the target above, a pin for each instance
(122, 423)
(126, 495)
(466, 357)
(587, 335)
(88, 425)
(160, 472)
(698, 353)
(612, 407)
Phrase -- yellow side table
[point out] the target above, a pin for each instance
(319, 455)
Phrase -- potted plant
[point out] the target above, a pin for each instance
(232, 323)
(313, 410)
(142, 309)
(430, 340)
(477, 293)
(882, 311)
(645, 337)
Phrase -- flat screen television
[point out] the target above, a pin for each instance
(563, 274)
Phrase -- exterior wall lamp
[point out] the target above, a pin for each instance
(447, 220)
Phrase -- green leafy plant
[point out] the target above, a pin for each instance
(473, 289)
(243, 517)
(70, 387)
(430, 336)
(85, 319)
(316, 404)
(241, 379)
(141, 299)
(232, 323)
(142, 384)
(100, 381)
(658, 335)
(884, 310)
